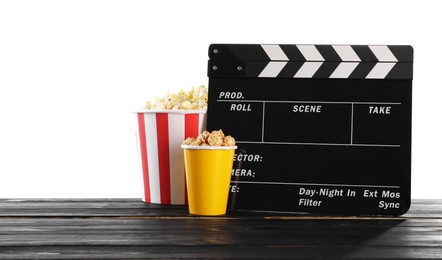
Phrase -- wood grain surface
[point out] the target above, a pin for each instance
(131, 229)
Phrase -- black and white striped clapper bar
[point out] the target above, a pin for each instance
(320, 128)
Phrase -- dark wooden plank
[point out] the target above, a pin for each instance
(217, 252)
(233, 232)
(86, 208)
(137, 208)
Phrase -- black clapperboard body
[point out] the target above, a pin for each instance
(319, 128)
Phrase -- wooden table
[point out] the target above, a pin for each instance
(128, 228)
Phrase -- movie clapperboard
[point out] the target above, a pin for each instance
(319, 128)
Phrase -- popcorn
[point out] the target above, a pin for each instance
(215, 138)
(229, 141)
(189, 141)
(194, 99)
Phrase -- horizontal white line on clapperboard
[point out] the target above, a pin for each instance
(313, 184)
(368, 145)
(298, 101)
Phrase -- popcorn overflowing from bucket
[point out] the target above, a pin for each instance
(214, 138)
(194, 99)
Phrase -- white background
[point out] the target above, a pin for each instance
(71, 72)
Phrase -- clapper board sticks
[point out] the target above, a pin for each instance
(320, 128)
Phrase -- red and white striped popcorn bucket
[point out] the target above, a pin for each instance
(160, 134)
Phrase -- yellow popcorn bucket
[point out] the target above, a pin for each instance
(208, 172)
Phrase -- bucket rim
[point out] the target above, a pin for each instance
(164, 111)
(194, 147)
